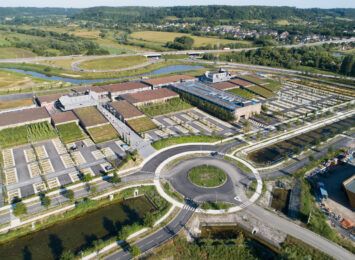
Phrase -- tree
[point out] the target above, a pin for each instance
(311, 158)
(67, 255)
(135, 250)
(347, 65)
(115, 179)
(19, 209)
(45, 201)
(69, 194)
(148, 220)
(86, 177)
(181, 43)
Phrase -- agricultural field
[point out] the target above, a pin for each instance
(16, 103)
(163, 37)
(13, 53)
(172, 105)
(141, 124)
(103, 133)
(70, 132)
(113, 63)
(279, 151)
(10, 137)
(90, 116)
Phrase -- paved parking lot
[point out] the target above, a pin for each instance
(46, 165)
(189, 122)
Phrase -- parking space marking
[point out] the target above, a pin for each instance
(10, 176)
(39, 187)
(88, 142)
(8, 158)
(46, 166)
(74, 176)
(78, 158)
(30, 155)
(107, 151)
(53, 183)
(58, 145)
(41, 152)
(33, 169)
(86, 171)
(16, 193)
(67, 161)
(98, 154)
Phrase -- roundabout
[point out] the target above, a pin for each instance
(220, 182)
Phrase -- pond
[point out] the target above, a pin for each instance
(77, 234)
(161, 71)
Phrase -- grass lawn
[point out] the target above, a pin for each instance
(238, 164)
(163, 37)
(103, 133)
(172, 105)
(10, 137)
(261, 91)
(11, 53)
(141, 125)
(207, 176)
(242, 93)
(160, 144)
(90, 116)
(70, 132)
(113, 63)
(16, 103)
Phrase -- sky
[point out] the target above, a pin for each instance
(90, 3)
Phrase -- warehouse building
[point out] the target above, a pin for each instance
(349, 186)
(119, 89)
(70, 102)
(223, 104)
(216, 76)
(64, 118)
(24, 117)
(124, 110)
(150, 96)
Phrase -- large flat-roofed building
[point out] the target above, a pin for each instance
(24, 117)
(100, 91)
(224, 85)
(150, 96)
(70, 102)
(125, 110)
(119, 89)
(237, 106)
(349, 186)
(169, 80)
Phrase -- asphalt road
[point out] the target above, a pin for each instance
(159, 237)
(300, 233)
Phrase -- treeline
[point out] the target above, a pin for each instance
(319, 57)
(49, 43)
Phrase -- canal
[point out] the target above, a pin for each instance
(78, 234)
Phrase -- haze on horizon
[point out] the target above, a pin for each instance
(89, 3)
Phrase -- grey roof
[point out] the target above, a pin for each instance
(351, 185)
(213, 95)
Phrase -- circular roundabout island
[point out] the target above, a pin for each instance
(207, 176)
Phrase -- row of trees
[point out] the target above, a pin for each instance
(319, 57)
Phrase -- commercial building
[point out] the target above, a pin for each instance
(64, 118)
(124, 110)
(150, 96)
(216, 76)
(119, 89)
(70, 102)
(48, 101)
(24, 117)
(169, 80)
(101, 93)
(349, 186)
(217, 101)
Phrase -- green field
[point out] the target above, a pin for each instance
(172, 105)
(113, 63)
(141, 124)
(70, 132)
(11, 53)
(163, 37)
(207, 176)
(90, 116)
(103, 133)
(10, 137)
(160, 144)
(16, 103)
(261, 91)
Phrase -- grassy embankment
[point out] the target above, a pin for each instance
(160, 144)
